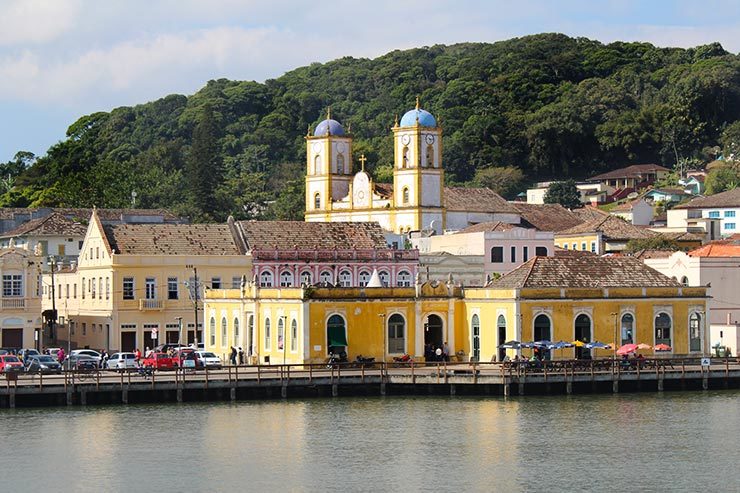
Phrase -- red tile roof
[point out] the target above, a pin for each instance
(488, 226)
(547, 217)
(476, 200)
(54, 224)
(716, 249)
(583, 272)
(612, 227)
(172, 239)
(730, 198)
(285, 235)
(634, 171)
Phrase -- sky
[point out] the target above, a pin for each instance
(61, 59)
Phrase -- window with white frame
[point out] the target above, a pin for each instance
(286, 279)
(128, 288)
(363, 278)
(713, 214)
(403, 279)
(236, 332)
(100, 287)
(729, 213)
(326, 277)
(215, 283)
(172, 288)
(92, 283)
(107, 288)
(385, 278)
(212, 331)
(695, 332)
(268, 335)
(293, 336)
(280, 334)
(150, 288)
(729, 225)
(236, 282)
(306, 278)
(396, 334)
(266, 279)
(12, 285)
(224, 331)
(345, 279)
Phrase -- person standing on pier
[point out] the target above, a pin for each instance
(232, 356)
(241, 356)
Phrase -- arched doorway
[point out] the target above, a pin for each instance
(475, 335)
(433, 333)
(542, 332)
(501, 327)
(663, 329)
(695, 332)
(336, 334)
(583, 334)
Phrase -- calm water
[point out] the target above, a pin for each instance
(637, 442)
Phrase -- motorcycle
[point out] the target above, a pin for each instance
(361, 361)
(403, 360)
(336, 359)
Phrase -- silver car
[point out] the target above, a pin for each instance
(121, 361)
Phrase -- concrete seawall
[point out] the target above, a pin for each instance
(276, 382)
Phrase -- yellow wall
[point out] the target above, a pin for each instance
(366, 313)
(563, 240)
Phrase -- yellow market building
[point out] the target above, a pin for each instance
(547, 298)
(132, 285)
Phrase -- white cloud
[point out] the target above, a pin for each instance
(36, 21)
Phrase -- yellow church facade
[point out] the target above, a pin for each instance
(416, 200)
(302, 325)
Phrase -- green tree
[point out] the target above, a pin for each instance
(657, 242)
(564, 193)
(505, 181)
(722, 179)
(203, 166)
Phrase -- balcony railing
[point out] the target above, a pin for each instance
(318, 255)
(145, 304)
(11, 303)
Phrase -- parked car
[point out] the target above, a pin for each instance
(10, 363)
(158, 361)
(80, 362)
(8, 350)
(24, 354)
(180, 355)
(42, 363)
(121, 361)
(88, 352)
(209, 360)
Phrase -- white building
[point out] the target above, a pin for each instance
(722, 207)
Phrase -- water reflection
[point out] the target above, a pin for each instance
(636, 441)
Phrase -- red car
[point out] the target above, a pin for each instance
(181, 355)
(158, 361)
(10, 363)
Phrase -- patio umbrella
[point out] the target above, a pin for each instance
(597, 345)
(511, 345)
(527, 344)
(578, 343)
(626, 349)
(642, 345)
(544, 343)
(662, 347)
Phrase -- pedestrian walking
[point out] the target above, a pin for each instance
(137, 356)
(232, 356)
(241, 356)
(60, 355)
(446, 351)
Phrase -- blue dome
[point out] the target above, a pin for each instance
(425, 118)
(326, 126)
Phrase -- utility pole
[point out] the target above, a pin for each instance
(195, 297)
(52, 264)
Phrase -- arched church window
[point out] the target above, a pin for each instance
(345, 279)
(340, 164)
(405, 160)
(317, 201)
(326, 277)
(430, 156)
(405, 195)
(317, 165)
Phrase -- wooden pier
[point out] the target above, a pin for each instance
(286, 381)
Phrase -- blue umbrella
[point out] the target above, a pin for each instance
(596, 345)
(527, 344)
(511, 345)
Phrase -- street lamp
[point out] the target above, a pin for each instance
(284, 319)
(179, 330)
(52, 265)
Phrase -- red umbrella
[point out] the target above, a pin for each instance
(662, 347)
(626, 349)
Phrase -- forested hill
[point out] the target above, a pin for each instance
(550, 105)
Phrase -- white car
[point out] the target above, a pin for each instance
(209, 360)
(121, 361)
(88, 352)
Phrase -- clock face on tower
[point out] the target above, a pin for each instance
(430, 139)
(316, 147)
(405, 140)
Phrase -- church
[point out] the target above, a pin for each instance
(417, 200)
